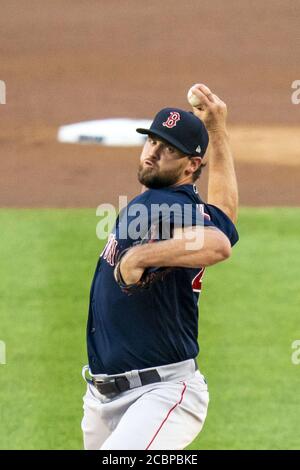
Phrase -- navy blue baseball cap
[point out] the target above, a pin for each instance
(180, 128)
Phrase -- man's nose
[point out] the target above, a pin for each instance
(155, 151)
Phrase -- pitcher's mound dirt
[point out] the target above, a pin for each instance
(37, 171)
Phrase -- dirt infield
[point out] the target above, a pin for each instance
(66, 61)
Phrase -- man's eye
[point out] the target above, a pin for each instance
(171, 149)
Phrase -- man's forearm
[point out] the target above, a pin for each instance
(184, 252)
(222, 184)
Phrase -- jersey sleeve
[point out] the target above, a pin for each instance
(215, 217)
(205, 215)
(186, 210)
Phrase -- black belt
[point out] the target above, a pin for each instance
(116, 385)
(120, 384)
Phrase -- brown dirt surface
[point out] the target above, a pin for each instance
(66, 61)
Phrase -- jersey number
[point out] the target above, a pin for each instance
(197, 281)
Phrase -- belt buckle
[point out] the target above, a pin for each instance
(117, 386)
(98, 383)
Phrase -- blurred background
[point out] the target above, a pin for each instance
(68, 61)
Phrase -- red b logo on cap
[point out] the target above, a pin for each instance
(172, 119)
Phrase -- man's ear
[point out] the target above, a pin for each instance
(197, 162)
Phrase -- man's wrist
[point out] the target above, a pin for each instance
(136, 257)
(218, 137)
(218, 132)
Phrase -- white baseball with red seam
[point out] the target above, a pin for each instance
(192, 98)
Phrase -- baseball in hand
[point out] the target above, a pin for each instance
(193, 99)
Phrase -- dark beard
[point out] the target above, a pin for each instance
(150, 178)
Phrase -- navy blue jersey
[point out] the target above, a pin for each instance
(157, 326)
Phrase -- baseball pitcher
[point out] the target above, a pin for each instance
(144, 388)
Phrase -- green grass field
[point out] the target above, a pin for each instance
(249, 319)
